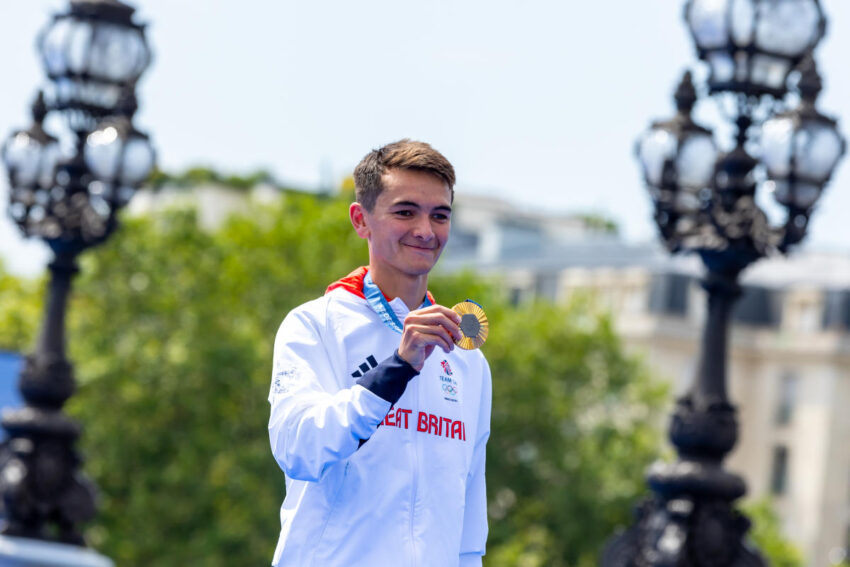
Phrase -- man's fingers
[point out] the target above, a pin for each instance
(431, 334)
(438, 309)
(435, 319)
(423, 335)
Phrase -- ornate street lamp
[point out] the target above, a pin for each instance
(93, 54)
(706, 203)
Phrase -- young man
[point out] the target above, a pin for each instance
(378, 421)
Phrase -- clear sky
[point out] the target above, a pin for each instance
(537, 102)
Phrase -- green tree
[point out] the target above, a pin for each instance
(171, 330)
(20, 311)
(767, 536)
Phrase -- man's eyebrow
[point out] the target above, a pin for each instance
(406, 204)
(418, 206)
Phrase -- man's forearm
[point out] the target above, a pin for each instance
(389, 379)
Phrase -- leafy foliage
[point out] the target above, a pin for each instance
(20, 311)
(600, 223)
(203, 175)
(767, 536)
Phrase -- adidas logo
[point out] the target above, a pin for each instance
(365, 367)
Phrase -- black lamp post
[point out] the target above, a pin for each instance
(93, 54)
(705, 202)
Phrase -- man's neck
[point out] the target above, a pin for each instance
(411, 289)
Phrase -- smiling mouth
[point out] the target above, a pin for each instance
(431, 248)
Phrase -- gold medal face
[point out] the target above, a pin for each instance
(473, 324)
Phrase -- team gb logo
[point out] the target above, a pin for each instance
(446, 368)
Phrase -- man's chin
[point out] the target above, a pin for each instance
(421, 268)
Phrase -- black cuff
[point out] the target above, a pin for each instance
(389, 379)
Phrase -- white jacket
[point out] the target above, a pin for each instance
(413, 494)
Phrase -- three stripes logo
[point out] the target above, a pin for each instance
(365, 367)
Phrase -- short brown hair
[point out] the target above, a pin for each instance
(404, 154)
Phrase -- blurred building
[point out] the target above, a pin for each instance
(213, 202)
(789, 346)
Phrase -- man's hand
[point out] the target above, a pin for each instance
(424, 329)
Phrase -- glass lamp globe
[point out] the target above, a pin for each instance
(30, 157)
(678, 159)
(91, 52)
(801, 148)
(800, 154)
(678, 155)
(675, 157)
(119, 157)
(678, 165)
(752, 45)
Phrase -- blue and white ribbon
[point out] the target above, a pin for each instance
(379, 303)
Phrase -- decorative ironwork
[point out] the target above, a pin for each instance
(92, 52)
(706, 203)
(751, 46)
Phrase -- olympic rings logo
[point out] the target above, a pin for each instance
(449, 389)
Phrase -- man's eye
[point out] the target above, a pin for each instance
(440, 216)
(404, 213)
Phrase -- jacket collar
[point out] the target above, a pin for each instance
(353, 283)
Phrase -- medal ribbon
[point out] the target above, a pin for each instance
(379, 303)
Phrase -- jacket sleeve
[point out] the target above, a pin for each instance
(474, 537)
(314, 423)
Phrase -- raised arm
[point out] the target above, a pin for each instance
(314, 423)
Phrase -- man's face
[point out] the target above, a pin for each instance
(409, 225)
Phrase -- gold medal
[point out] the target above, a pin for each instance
(473, 324)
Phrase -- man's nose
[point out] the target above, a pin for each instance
(423, 229)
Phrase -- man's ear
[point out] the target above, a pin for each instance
(357, 214)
